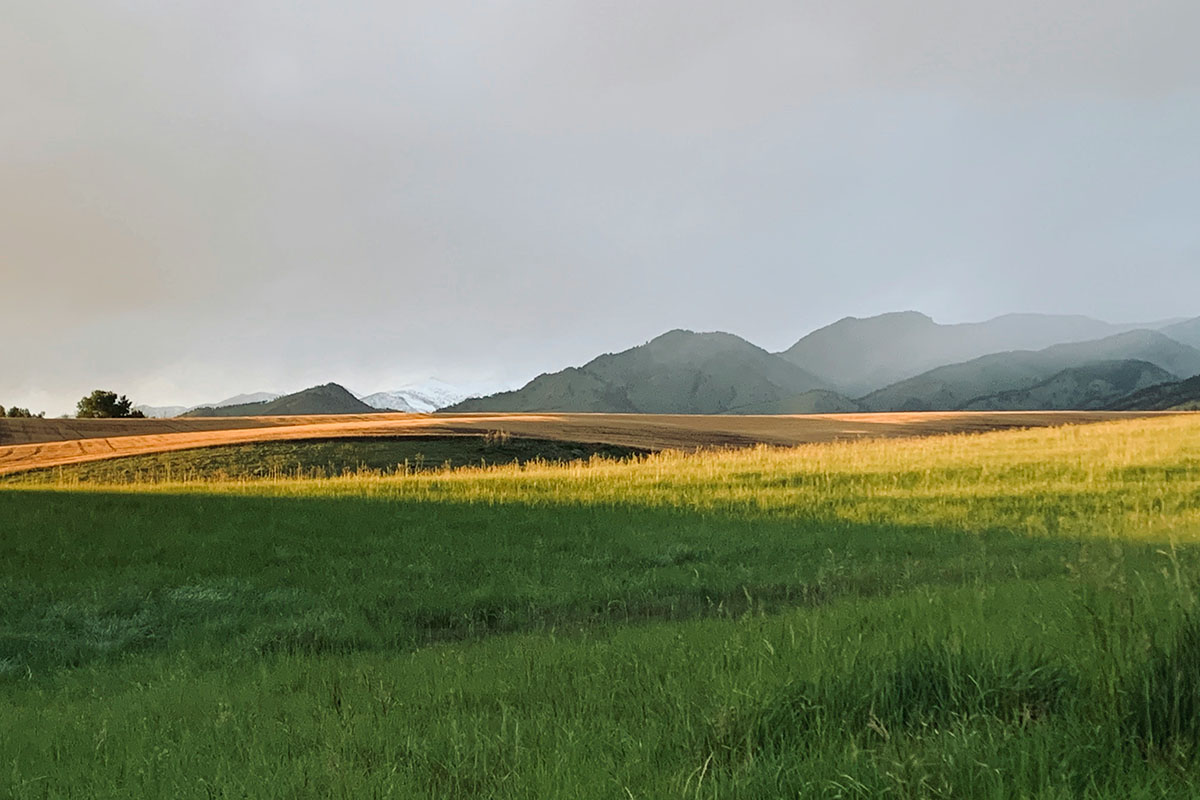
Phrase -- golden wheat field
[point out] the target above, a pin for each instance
(37, 443)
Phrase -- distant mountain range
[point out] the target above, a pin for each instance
(680, 372)
(1187, 332)
(1174, 396)
(894, 362)
(236, 400)
(901, 361)
(1086, 388)
(422, 398)
(859, 356)
(329, 398)
(956, 386)
(417, 398)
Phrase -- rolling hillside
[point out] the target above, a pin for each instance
(815, 401)
(1093, 386)
(166, 412)
(329, 398)
(957, 385)
(859, 356)
(161, 412)
(1176, 395)
(27, 444)
(1187, 332)
(680, 372)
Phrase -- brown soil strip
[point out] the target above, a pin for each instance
(31, 431)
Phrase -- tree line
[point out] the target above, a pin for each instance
(16, 412)
(100, 404)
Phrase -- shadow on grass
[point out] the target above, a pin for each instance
(93, 576)
(1162, 699)
(326, 457)
(926, 688)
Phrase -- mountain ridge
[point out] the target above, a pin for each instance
(951, 387)
(1090, 387)
(861, 355)
(327, 398)
(239, 399)
(1174, 396)
(679, 371)
(420, 398)
(683, 371)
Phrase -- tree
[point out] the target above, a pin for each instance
(104, 405)
(15, 412)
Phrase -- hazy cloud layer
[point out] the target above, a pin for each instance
(198, 199)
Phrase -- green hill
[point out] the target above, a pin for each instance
(1093, 386)
(680, 372)
(329, 398)
(862, 355)
(955, 386)
(1176, 395)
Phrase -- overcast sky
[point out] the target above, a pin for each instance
(204, 198)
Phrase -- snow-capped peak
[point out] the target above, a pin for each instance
(419, 398)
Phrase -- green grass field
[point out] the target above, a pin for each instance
(1001, 615)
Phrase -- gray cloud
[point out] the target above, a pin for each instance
(203, 198)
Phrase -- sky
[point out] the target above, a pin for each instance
(199, 199)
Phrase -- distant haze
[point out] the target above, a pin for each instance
(203, 199)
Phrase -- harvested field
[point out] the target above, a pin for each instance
(34, 431)
(34, 444)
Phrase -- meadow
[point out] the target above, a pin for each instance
(1008, 614)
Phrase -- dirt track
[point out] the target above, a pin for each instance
(49, 443)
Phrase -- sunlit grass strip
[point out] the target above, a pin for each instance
(1138, 479)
